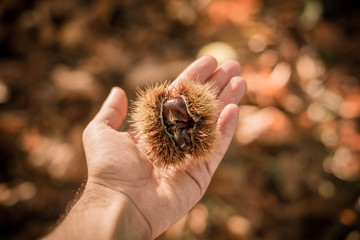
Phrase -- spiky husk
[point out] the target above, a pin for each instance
(203, 107)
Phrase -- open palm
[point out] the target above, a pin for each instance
(115, 160)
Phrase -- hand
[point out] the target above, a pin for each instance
(118, 171)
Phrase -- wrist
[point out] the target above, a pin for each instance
(128, 221)
(102, 213)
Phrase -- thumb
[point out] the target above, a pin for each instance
(113, 110)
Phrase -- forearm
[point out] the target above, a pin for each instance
(102, 215)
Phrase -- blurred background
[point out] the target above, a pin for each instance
(293, 169)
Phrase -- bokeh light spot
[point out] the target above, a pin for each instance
(326, 189)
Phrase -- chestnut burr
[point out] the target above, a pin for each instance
(176, 125)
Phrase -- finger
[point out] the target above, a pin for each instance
(224, 73)
(114, 109)
(233, 91)
(226, 126)
(199, 70)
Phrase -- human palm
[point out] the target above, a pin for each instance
(115, 159)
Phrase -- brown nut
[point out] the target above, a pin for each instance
(178, 122)
(183, 140)
(174, 110)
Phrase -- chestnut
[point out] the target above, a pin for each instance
(178, 123)
(174, 109)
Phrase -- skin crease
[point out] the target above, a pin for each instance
(126, 196)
